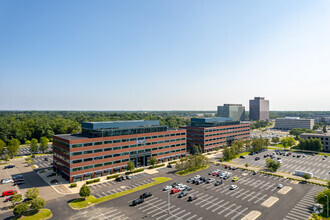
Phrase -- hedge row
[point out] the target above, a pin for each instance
(158, 165)
(135, 171)
(112, 176)
(173, 162)
(93, 181)
(73, 185)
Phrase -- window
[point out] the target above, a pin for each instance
(141, 151)
(108, 149)
(98, 143)
(98, 165)
(116, 155)
(76, 145)
(98, 158)
(98, 150)
(147, 150)
(116, 148)
(107, 142)
(77, 153)
(107, 156)
(77, 161)
(107, 163)
(126, 153)
(117, 161)
(88, 152)
(116, 141)
(133, 152)
(124, 147)
(132, 139)
(77, 168)
(125, 160)
(88, 159)
(88, 167)
(88, 144)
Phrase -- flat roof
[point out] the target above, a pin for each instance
(316, 134)
(71, 136)
(118, 124)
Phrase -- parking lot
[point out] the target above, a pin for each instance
(112, 187)
(313, 164)
(42, 163)
(26, 150)
(255, 193)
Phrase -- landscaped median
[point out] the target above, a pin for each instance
(91, 200)
(41, 215)
(189, 171)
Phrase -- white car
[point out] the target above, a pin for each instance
(197, 177)
(279, 186)
(233, 187)
(3, 181)
(167, 188)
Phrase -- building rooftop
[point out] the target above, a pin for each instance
(71, 136)
(118, 124)
(316, 134)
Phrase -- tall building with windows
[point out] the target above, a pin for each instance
(209, 133)
(259, 109)
(234, 111)
(106, 147)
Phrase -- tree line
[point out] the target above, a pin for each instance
(26, 125)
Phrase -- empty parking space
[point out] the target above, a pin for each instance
(43, 161)
(26, 150)
(101, 213)
(314, 164)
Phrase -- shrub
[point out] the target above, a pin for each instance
(89, 182)
(96, 180)
(112, 176)
(155, 166)
(173, 162)
(135, 171)
(73, 185)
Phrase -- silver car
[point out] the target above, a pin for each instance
(3, 181)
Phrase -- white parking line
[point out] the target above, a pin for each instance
(239, 213)
(232, 211)
(228, 207)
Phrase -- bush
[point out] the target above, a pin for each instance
(158, 165)
(134, 171)
(93, 181)
(112, 176)
(73, 185)
(173, 162)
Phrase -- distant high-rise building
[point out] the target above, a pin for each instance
(259, 109)
(234, 111)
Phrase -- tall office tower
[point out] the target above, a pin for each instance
(259, 109)
(234, 111)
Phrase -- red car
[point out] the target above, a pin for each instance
(215, 173)
(9, 193)
(8, 199)
(175, 190)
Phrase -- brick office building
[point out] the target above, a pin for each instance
(209, 133)
(105, 147)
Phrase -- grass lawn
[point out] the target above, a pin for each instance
(185, 172)
(42, 214)
(91, 200)
(17, 157)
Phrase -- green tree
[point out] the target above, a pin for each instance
(316, 126)
(32, 193)
(299, 131)
(325, 129)
(195, 149)
(246, 165)
(275, 139)
(20, 209)
(153, 161)
(43, 144)
(37, 204)
(272, 165)
(217, 148)
(321, 198)
(306, 176)
(2, 148)
(34, 146)
(130, 166)
(27, 142)
(13, 147)
(84, 191)
(16, 198)
(328, 184)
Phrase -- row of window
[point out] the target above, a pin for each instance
(168, 152)
(98, 165)
(236, 131)
(222, 142)
(61, 157)
(123, 147)
(140, 139)
(218, 138)
(222, 129)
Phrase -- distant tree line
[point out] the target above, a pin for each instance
(301, 114)
(26, 125)
(310, 144)
(298, 131)
(259, 124)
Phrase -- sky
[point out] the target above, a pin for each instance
(164, 55)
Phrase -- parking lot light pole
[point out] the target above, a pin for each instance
(169, 203)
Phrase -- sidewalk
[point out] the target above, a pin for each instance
(284, 175)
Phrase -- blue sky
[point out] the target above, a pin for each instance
(163, 55)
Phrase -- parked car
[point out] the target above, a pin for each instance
(242, 157)
(189, 180)
(187, 188)
(235, 179)
(174, 190)
(192, 198)
(183, 194)
(218, 182)
(137, 201)
(197, 177)
(257, 158)
(3, 181)
(46, 158)
(169, 166)
(9, 193)
(167, 188)
(145, 195)
(232, 187)
(210, 180)
(18, 177)
(128, 177)
(234, 168)
(118, 179)
(8, 199)
(9, 166)
(199, 182)
(254, 172)
(252, 153)
(279, 186)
